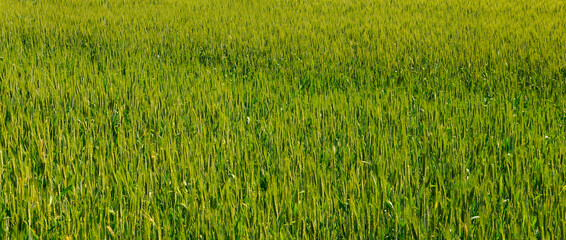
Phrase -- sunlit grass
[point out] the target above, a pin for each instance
(282, 119)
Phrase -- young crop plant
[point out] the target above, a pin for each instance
(282, 119)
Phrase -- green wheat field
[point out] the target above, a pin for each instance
(282, 119)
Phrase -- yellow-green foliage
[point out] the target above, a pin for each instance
(284, 119)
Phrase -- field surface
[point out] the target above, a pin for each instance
(282, 119)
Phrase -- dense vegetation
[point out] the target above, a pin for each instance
(282, 119)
